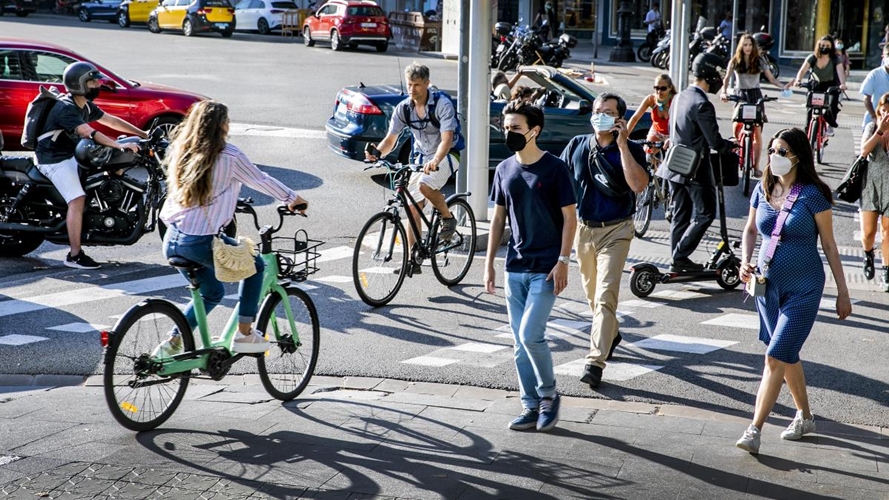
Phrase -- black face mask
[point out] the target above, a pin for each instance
(516, 141)
(825, 51)
(92, 94)
(714, 85)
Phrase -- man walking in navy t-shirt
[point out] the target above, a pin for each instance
(534, 189)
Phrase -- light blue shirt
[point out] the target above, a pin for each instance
(426, 136)
(875, 84)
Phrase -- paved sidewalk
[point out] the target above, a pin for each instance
(362, 438)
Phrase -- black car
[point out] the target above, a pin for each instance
(105, 10)
(361, 116)
(20, 8)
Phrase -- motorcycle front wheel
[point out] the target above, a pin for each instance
(644, 52)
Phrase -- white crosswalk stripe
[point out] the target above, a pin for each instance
(16, 339)
(735, 320)
(79, 327)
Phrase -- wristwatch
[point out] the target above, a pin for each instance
(565, 259)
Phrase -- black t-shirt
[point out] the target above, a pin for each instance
(533, 196)
(65, 116)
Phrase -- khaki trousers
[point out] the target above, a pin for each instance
(602, 254)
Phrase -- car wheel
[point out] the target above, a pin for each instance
(383, 46)
(263, 26)
(335, 43)
(307, 37)
(22, 13)
(165, 123)
(123, 19)
(187, 27)
(83, 15)
(152, 25)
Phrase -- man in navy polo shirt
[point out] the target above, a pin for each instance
(608, 171)
(534, 189)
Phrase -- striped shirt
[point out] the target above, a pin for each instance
(232, 170)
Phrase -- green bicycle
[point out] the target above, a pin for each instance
(142, 391)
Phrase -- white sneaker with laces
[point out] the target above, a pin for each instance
(798, 427)
(750, 440)
(254, 343)
(168, 348)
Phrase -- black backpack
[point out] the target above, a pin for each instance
(36, 116)
(459, 141)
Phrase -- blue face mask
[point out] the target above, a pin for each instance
(601, 122)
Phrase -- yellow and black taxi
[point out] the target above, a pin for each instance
(134, 11)
(193, 16)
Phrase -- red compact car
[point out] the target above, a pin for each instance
(26, 65)
(348, 23)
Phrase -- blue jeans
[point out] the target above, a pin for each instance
(200, 249)
(529, 300)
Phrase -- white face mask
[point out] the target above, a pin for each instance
(780, 165)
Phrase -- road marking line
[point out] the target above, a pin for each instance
(334, 279)
(334, 253)
(246, 129)
(17, 339)
(616, 371)
(480, 347)
(856, 236)
(79, 327)
(678, 294)
(680, 343)
(90, 293)
(831, 304)
(430, 361)
(735, 320)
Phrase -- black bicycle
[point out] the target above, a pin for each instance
(656, 192)
(382, 260)
(748, 116)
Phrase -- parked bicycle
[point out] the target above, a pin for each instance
(818, 103)
(657, 191)
(382, 260)
(748, 116)
(142, 391)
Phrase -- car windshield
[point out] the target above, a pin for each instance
(365, 11)
(216, 3)
(283, 5)
(572, 98)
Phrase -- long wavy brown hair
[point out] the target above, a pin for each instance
(745, 64)
(197, 143)
(798, 143)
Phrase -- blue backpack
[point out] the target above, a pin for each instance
(431, 117)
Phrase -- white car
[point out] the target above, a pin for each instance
(261, 15)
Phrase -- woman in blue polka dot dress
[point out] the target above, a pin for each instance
(794, 275)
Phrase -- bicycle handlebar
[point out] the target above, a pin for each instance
(811, 84)
(397, 166)
(244, 206)
(762, 100)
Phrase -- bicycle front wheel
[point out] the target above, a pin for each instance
(644, 208)
(453, 258)
(748, 164)
(139, 398)
(380, 260)
(286, 368)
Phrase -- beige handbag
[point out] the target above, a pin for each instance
(234, 262)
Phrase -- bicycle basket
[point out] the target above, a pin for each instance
(748, 113)
(816, 100)
(297, 255)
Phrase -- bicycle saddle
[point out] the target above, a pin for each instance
(183, 263)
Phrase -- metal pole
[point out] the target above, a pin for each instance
(478, 117)
(678, 40)
(463, 86)
(734, 28)
(683, 55)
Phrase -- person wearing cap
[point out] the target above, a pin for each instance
(693, 124)
(67, 123)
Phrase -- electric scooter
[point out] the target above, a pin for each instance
(723, 267)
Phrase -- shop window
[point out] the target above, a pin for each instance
(799, 25)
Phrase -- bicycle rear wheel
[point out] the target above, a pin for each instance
(286, 368)
(380, 259)
(748, 163)
(813, 138)
(644, 208)
(453, 259)
(139, 398)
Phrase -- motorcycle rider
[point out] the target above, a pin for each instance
(69, 121)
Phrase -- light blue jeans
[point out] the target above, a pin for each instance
(529, 300)
(200, 249)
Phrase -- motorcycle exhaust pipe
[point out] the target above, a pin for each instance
(14, 227)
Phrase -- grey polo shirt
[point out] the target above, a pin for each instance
(426, 136)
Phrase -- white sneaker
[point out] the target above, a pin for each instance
(168, 348)
(798, 427)
(750, 440)
(829, 131)
(254, 343)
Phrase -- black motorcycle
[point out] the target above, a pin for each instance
(651, 41)
(124, 195)
(527, 49)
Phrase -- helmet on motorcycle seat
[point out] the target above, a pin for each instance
(709, 33)
(77, 74)
(97, 157)
(568, 40)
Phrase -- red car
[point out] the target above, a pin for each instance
(26, 65)
(348, 23)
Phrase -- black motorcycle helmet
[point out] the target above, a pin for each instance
(706, 66)
(77, 74)
(97, 157)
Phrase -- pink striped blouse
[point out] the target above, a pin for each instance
(232, 170)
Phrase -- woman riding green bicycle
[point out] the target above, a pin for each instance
(205, 175)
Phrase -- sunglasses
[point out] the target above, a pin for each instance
(779, 151)
(661, 89)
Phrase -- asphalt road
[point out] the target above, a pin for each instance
(692, 345)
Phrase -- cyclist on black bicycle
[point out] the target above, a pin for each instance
(747, 67)
(432, 120)
(205, 176)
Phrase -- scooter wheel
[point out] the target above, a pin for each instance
(729, 276)
(642, 282)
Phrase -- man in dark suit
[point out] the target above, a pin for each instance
(694, 199)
